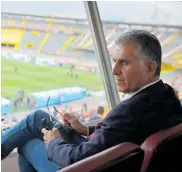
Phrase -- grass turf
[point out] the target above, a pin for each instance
(33, 78)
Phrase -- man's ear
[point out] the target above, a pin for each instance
(151, 68)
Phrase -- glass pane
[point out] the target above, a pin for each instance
(160, 18)
(48, 59)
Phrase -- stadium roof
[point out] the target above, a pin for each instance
(168, 13)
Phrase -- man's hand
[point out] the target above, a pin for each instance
(50, 134)
(74, 123)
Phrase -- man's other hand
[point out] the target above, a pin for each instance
(50, 134)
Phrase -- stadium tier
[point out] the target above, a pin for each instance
(73, 38)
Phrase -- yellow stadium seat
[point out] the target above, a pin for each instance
(28, 44)
(11, 22)
(35, 32)
(62, 27)
(165, 68)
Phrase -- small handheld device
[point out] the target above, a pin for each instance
(46, 124)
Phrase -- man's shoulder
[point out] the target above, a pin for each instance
(149, 99)
(150, 94)
(123, 108)
(135, 104)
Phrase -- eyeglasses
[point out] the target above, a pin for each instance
(57, 111)
(54, 109)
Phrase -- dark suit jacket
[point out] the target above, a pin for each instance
(133, 120)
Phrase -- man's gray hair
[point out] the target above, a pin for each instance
(149, 46)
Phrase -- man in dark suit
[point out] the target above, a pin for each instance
(149, 105)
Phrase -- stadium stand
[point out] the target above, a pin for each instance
(172, 42)
(31, 39)
(72, 37)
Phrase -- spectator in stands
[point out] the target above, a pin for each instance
(149, 105)
(79, 116)
(94, 116)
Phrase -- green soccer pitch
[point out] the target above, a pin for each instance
(33, 78)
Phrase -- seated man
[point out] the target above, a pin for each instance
(149, 105)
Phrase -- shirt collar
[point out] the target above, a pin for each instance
(129, 95)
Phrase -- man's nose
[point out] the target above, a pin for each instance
(116, 69)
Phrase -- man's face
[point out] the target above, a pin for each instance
(129, 71)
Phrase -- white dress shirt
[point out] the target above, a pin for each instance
(129, 95)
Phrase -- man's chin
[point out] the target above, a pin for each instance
(122, 89)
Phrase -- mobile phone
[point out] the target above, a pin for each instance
(46, 124)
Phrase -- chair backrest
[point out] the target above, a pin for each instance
(163, 151)
(10, 164)
(126, 157)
